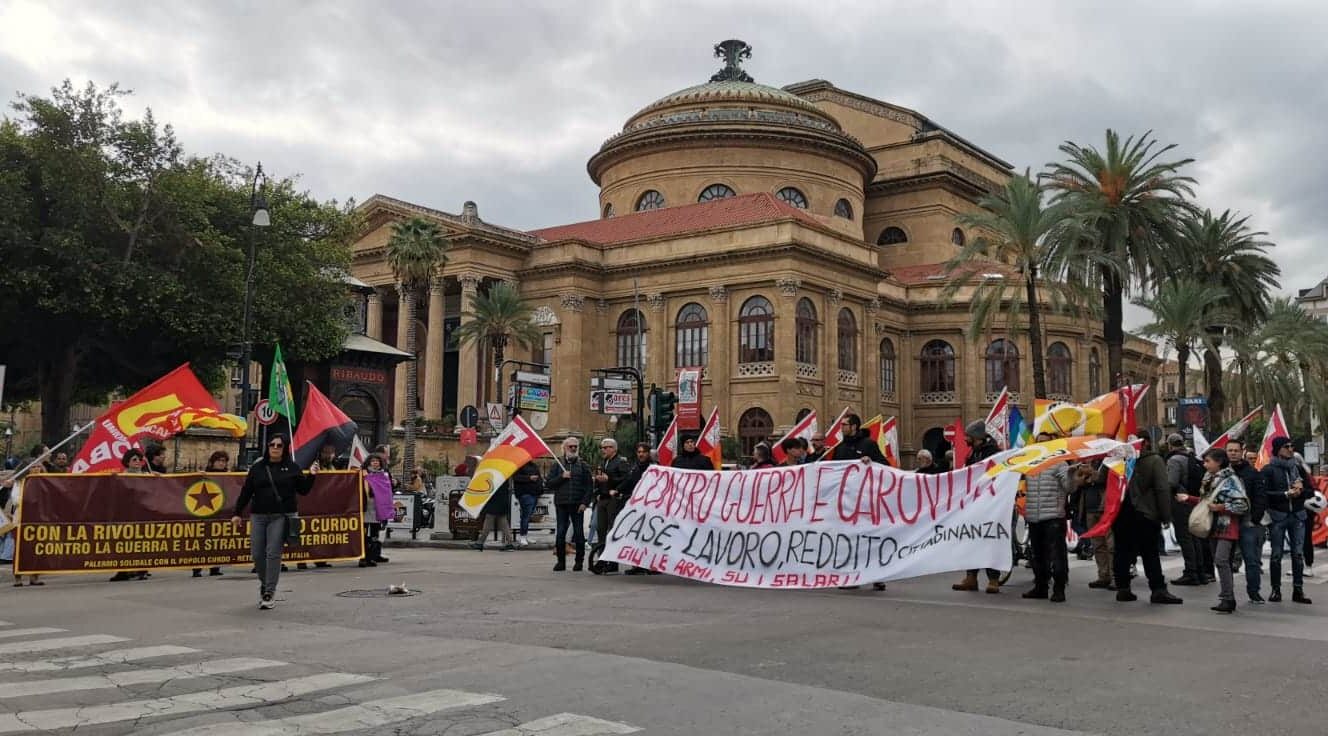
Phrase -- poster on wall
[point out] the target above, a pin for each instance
(689, 398)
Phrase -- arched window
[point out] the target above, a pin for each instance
(1058, 370)
(649, 200)
(957, 237)
(631, 330)
(937, 368)
(802, 414)
(790, 195)
(756, 331)
(892, 236)
(1002, 366)
(844, 209)
(693, 338)
(887, 367)
(848, 341)
(1094, 373)
(608, 210)
(807, 333)
(754, 426)
(715, 191)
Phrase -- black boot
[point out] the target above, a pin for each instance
(1275, 596)
(1037, 593)
(1164, 597)
(377, 553)
(576, 566)
(1226, 606)
(1057, 594)
(561, 565)
(1123, 594)
(1298, 595)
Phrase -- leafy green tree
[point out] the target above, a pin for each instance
(1225, 253)
(1018, 230)
(417, 253)
(1128, 203)
(128, 256)
(1183, 309)
(1284, 360)
(497, 317)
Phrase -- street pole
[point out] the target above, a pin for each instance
(259, 218)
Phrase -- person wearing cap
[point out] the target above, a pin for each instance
(689, 457)
(1145, 509)
(981, 446)
(1284, 484)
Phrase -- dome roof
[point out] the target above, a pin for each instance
(725, 93)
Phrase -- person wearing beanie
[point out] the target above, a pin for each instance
(1284, 488)
(691, 458)
(981, 446)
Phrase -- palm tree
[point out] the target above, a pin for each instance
(1129, 203)
(1284, 360)
(417, 251)
(497, 317)
(1018, 230)
(1182, 310)
(1225, 253)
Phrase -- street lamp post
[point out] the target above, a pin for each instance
(260, 218)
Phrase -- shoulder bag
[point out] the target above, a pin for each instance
(1201, 517)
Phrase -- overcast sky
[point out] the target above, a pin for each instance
(437, 103)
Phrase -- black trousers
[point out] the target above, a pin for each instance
(1136, 536)
(1198, 553)
(1051, 558)
(1309, 538)
(570, 517)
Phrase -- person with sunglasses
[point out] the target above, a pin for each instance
(272, 485)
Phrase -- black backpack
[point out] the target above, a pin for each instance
(1194, 473)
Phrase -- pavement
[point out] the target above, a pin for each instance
(495, 644)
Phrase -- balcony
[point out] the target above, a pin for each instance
(808, 370)
(756, 370)
(848, 378)
(939, 397)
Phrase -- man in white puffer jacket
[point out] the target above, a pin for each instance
(1044, 510)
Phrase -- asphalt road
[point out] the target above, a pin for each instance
(496, 644)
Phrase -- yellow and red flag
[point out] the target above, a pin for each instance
(515, 446)
(167, 424)
(114, 432)
(708, 444)
(1111, 414)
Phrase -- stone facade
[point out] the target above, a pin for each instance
(820, 299)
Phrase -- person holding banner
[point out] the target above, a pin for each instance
(9, 528)
(795, 453)
(612, 472)
(572, 486)
(981, 446)
(272, 485)
(690, 458)
(218, 462)
(134, 462)
(817, 450)
(857, 443)
(628, 484)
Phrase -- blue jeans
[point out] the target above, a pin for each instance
(527, 504)
(266, 536)
(1284, 524)
(1251, 550)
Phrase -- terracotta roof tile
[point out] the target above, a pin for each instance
(935, 272)
(747, 209)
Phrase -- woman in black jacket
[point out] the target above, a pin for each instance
(272, 486)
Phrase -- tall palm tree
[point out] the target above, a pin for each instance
(1285, 360)
(417, 251)
(1225, 253)
(497, 317)
(1129, 202)
(1017, 229)
(1183, 309)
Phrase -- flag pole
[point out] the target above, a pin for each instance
(77, 431)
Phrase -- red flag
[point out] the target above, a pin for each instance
(322, 423)
(668, 444)
(960, 444)
(888, 440)
(114, 432)
(835, 434)
(805, 429)
(1276, 428)
(708, 443)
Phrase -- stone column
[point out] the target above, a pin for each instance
(399, 385)
(786, 344)
(373, 323)
(468, 357)
(658, 359)
(830, 352)
(720, 358)
(571, 411)
(433, 353)
(869, 371)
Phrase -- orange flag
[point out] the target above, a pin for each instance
(708, 443)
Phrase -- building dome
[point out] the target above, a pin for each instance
(734, 134)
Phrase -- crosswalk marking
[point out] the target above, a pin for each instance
(134, 677)
(247, 696)
(371, 714)
(117, 656)
(66, 642)
(566, 724)
(16, 633)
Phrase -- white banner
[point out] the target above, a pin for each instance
(821, 525)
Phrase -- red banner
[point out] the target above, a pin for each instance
(114, 432)
(689, 398)
(112, 523)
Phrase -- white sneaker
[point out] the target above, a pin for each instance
(1308, 572)
(522, 541)
(266, 603)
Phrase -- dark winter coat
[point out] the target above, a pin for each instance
(693, 460)
(981, 451)
(616, 469)
(576, 488)
(1252, 480)
(1150, 490)
(858, 446)
(500, 503)
(527, 480)
(628, 484)
(1278, 476)
(273, 487)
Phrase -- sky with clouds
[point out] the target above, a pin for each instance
(503, 102)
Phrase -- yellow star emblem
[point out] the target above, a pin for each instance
(204, 498)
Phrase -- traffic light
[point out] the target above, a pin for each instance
(665, 401)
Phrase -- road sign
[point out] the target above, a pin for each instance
(533, 398)
(611, 402)
(539, 379)
(264, 413)
(470, 416)
(469, 438)
(497, 415)
(538, 420)
(949, 433)
(611, 384)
